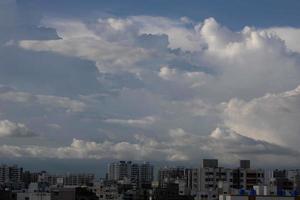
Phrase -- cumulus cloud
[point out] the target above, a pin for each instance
(273, 117)
(13, 129)
(80, 41)
(180, 146)
(289, 35)
(185, 71)
(244, 62)
(185, 79)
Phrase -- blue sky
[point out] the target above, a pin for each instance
(234, 13)
(165, 81)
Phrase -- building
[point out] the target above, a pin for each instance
(210, 163)
(252, 197)
(72, 193)
(80, 179)
(35, 191)
(120, 171)
(106, 190)
(168, 175)
(192, 180)
(7, 195)
(245, 164)
(282, 181)
(245, 177)
(210, 174)
(170, 192)
(146, 176)
(11, 176)
(138, 175)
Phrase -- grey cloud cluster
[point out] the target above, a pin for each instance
(180, 146)
(11, 95)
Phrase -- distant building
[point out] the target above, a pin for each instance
(35, 191)
(170, 192)
(106, 190)
(210, 163)
(245, 164)
(250, 197)
(168, 175)
(139, 175)
(119, 171)
(246, 178)
(78, 179)
(72, 193)
(146, 175)
(11, 176)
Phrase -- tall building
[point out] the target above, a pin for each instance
(120, 171)
(128, 172)
(210, 174)
(210, 163)
(245, 177)
(134, 174)
(192, 180)
(146, 174)
(170, 175)
(11, 176)
(80, 179)
(245, 164)
(4, 174)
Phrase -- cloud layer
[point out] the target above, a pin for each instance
(172, 89)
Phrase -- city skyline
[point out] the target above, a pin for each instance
(86, 83)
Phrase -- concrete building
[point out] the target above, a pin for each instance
(106, 190)
(210, 174)
(72, 193)
(146, 176)
(192, 180)
(282, 181)
(11, 176)
(209, 163)
(139, 175)
(246, 178)
(35, 191)
(168, 175)
(120, 171)
(78, 179)
(245, 164)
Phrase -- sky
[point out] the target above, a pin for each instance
(86, 82)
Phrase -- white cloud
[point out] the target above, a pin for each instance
(183, 83)
(80, 41)
(289, 35)
(185, 79)
(12, 129)
(244, 62)
(179, 36)
(145, 121)
(272, 118)
(180, 146)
